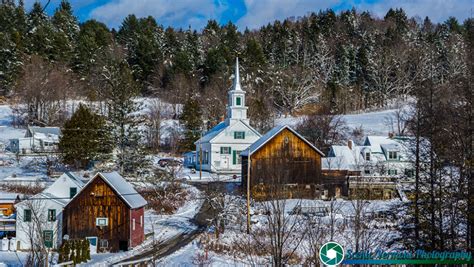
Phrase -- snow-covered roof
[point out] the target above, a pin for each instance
(45, 197)
(8, 198)
(375, 143)
(343, 157)
(45, 130)
(272, 133)
(123, 188)
(213, 132)
(75, 179)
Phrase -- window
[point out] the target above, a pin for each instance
(225, 150)
(101, 221)
(51, 215)
(367, 155)
(104, 243)
(133, 224)
(141, 220)
(239, 135)
(72, 192)
(27, 215)
(392, 155)
(392, 172)
(205, 157)
(409, 173)
(238, 101)
(367, 171)
(236, 159)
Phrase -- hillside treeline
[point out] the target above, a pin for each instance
(320, 62)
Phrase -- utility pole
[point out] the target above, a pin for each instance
(248, 192)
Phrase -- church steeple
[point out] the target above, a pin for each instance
(236, 109)
(236, 83)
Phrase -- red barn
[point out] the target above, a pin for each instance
(108, 211)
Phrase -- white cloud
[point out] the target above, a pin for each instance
(436, 10)
(178, 13)
(261, 12)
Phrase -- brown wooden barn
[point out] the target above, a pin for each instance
(108, 211)
(285, 162)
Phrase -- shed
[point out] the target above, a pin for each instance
(108, 211)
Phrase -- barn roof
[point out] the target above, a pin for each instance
(124, 189)
(272, 133)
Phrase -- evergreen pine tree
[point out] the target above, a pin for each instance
(85, 138)
(124, 115)
(40, 33)
(192, 121)
(66, 30)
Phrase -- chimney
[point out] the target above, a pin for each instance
(350, 143)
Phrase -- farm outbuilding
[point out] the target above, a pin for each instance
(285, 161)
(109, 212)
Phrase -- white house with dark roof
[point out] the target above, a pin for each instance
(377, 156)
(44, 211)
(219, 149)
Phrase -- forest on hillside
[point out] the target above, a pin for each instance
(320, 65)
(323, 62)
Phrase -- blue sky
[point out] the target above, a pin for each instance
(250, 13)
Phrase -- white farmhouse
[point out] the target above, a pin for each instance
(378, 156)
(219, 149)
(39, 218)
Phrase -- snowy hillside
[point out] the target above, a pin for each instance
(373, 123)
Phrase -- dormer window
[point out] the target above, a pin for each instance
(238, 101)
(392, 155)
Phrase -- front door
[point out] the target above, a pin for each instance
(225, 162)
(48, 238)
(92, 244)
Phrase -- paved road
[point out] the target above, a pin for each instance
(175, 243)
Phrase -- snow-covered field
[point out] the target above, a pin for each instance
(373, 123)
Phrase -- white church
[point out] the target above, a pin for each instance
(221, 145)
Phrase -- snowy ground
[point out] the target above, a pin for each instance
(373, 123)
(12, 259)
(158, 228)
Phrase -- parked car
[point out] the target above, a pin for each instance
(164, 162)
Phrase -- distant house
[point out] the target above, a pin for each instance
(190, 159)
(378, 156)
(7, 213)
(373, 168)
(108, 211)
(36, 140)
(283, 158)
(45, 211)
(219, 149)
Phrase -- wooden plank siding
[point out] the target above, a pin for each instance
(284, 159)
(98, 199)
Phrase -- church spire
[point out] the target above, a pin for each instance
(236, 86)
(236, 109)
